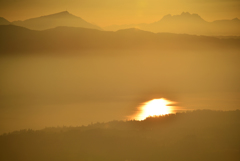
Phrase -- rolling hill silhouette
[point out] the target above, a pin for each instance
(187, 23)
(198, 135)
(19, 39)
(51, 21)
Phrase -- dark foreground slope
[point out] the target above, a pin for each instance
(19, 39)
(198, 135)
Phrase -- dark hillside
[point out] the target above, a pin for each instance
(198, 135)
(18, 39)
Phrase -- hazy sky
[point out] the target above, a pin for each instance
(108, 12)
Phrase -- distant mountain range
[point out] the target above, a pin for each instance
(55, 20)
(187, 23)
(19, 39)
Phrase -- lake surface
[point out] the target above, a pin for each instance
(74, 89)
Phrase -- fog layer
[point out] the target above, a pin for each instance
(84, 87)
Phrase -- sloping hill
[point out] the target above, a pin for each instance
(3, 21)
(198, 135)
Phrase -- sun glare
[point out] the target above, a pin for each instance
(155, 107)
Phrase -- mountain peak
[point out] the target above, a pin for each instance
(62, 13)
(187, 14)
(235, 19)
(184, 16)
(63, 18)
(66, 12)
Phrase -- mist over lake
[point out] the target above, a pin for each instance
(79, 88)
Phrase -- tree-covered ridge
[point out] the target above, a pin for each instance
(22, 40)
(196, 135)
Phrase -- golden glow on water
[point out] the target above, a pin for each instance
(155, 107)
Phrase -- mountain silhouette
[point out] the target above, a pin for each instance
(187, 23)
(16, 39)
(3, 21)
(51, 21)
(185, 17)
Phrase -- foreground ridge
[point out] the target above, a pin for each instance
(199, 135)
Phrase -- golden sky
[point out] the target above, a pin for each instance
(109, 12)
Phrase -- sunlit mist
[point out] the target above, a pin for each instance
(155, 107)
